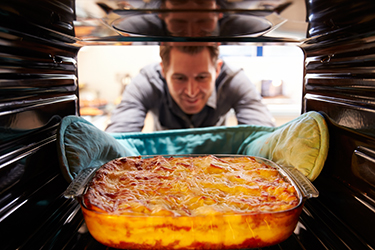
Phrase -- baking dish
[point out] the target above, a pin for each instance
(231, 231)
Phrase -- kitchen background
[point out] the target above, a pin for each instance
(104, 71)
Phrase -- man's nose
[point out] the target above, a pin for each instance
(192, 88)
(193, 29)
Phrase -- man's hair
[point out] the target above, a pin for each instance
(165, 52)
(178, 2)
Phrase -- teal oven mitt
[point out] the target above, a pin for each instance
(302, 143)
(81, 145)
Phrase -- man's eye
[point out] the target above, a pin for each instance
(179, 78)
(202, 78)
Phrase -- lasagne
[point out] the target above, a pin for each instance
(203, 202)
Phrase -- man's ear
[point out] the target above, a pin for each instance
(219, 63)
(220, 13)
(162, 69)
(162, 7)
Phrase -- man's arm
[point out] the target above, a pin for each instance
(136, 101)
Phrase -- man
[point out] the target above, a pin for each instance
(191, 23)
(190, 88)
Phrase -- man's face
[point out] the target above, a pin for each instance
(191, 79)
(194, 24)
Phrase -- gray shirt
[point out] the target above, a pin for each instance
(148, 92)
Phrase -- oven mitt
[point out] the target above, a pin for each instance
(81, 145)
(302, 143)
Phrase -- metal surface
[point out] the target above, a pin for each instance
(119, 22)
(38, 46)
(339, 82)
(38, 86)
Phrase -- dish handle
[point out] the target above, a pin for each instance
(307, 188)
(78, 185)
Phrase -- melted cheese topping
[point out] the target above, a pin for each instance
(188, 186)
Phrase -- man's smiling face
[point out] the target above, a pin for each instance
(190, 23)
(191, 79)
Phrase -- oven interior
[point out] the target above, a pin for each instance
(41, 45)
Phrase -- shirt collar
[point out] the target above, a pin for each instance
(211, 102)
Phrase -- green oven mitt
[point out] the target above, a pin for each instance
(302, 143)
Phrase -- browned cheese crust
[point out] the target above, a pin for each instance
(188, 186)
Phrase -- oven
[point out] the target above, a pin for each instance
(39, 85)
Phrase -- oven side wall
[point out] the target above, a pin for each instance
(340, 83)
(38, 86)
